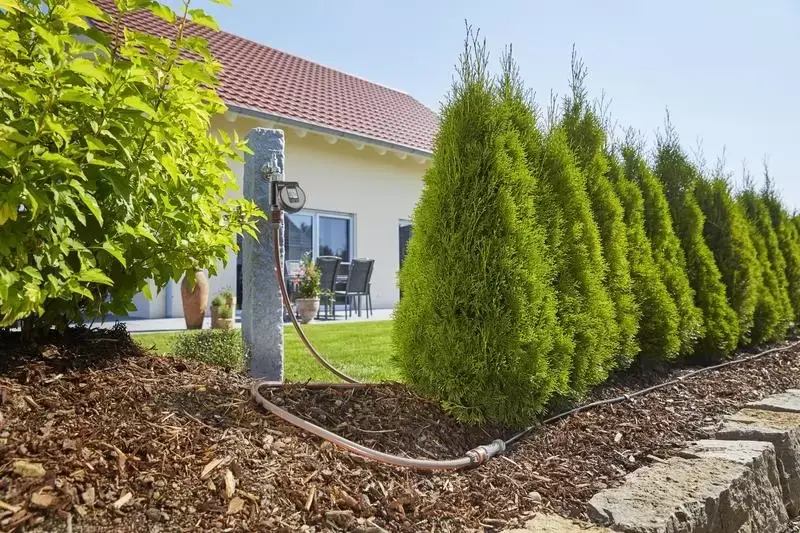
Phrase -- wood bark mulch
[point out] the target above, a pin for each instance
(96, 435)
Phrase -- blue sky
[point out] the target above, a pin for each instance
(729, 71)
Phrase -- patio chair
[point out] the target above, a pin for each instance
(328, 267)
(358, 285)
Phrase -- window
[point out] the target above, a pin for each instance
(320, 234)
(404, 235)
(308, 231)
(298, 236)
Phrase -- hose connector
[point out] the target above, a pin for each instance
(481, 454)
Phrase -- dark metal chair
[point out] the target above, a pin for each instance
(358, 285)
(328, 267)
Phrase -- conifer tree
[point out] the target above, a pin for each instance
(474, 326)
(585, 309)
(587, 140)
(520, 113)
(727, 234)
(680, 179)
(667, 251)
(658, 333)
(788, 239)
(773, 313)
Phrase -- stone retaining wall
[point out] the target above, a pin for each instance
(745, 480)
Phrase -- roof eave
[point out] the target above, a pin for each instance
(326, 130)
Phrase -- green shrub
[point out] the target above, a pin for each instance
(774, 312)
(473, 327)
(788, 240)
(658, 335)
(109, 175)
(585, 309)
(221, 347)
(587, 140)
(680, 178)
(667, 252)
(728, 236)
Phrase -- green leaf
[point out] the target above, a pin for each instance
(94, 275)
(81, 96)
(85, 8)
(10, 5)
(115, 252)
(33, 273)
(88, 68)
(56, 128)
(146, 291)
(67, 165)
(23, 91)
(8, 212)
(135, 102)
(80, 289)
(171, 167)
(93, 143)
(89, 201)
(198, 16)
(12, 134)
(223, 2)
(162, 12)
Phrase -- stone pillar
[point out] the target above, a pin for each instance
(262, 308)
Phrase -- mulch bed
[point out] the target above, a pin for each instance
(123, 441)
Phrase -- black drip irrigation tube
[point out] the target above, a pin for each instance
(472, 458)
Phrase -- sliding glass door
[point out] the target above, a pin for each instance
(320, 234)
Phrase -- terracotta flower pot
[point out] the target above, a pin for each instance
(307, 308)
(195, 301)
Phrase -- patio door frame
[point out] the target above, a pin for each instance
(315, 231)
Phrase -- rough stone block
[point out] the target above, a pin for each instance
(718, 487)
(550, 523)
(780, 428)
(788, 401)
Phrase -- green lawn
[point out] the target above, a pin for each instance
(361, 349)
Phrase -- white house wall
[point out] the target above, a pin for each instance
(378, 190)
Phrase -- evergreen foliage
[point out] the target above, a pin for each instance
(728, 236)
(587, 141)
(585, 309)
(475, 326)
(680, 179)
(773, 313)
(518, 109)
(667, 251)
(788, 240)
(658, 335)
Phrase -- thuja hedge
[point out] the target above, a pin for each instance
(587, 140)
(721, 327)
(728, 236)
(475, 325)
(667, 251)
(544, 259)
(659, 324)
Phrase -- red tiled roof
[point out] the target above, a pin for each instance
(258, 78)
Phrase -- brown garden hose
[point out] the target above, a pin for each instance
(472, 458)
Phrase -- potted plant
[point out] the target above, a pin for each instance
(222, 309)
(194, 296)
(308, 290)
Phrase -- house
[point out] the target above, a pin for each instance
(358, 149)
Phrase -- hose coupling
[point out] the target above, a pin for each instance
(481, 454)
